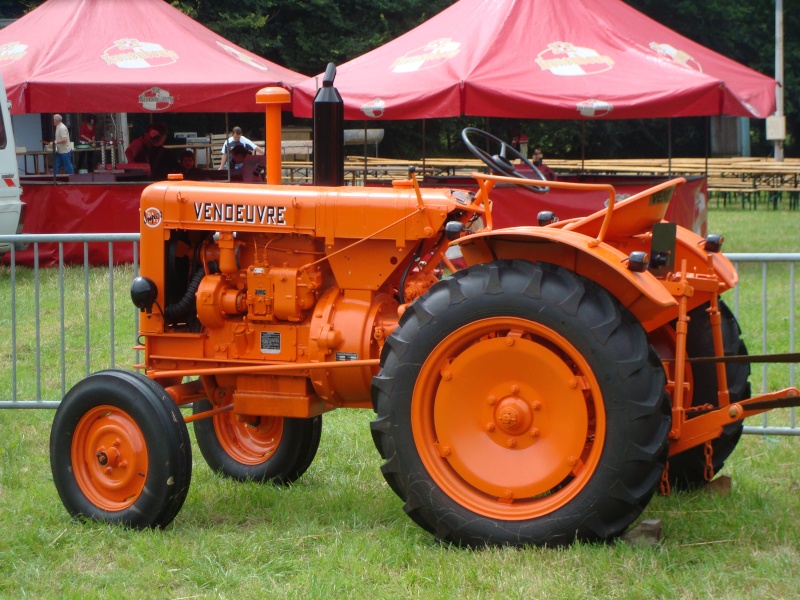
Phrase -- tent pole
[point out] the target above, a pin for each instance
(779, 154)
(228, 150)
(669, 144)
(55, 173)
(423, 148)
(708, 145)
(583, 144)
(365, 152)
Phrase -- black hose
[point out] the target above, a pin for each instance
(185, 305)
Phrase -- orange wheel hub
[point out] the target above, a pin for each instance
(249, 442)
(508, 418)
(109, 458)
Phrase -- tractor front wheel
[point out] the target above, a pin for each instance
(520, 403)
(120, 451)
(274, 449)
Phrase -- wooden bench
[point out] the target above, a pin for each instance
(292, 149)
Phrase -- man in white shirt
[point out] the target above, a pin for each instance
(63, 156)
(237, 139)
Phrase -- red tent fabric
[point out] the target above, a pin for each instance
(543, 59)
(132, 56)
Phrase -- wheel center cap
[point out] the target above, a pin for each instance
(513, 415)
(108, 457)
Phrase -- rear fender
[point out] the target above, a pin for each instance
(642, 293)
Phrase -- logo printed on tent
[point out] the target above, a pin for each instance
(374, 108)
(564, 58)
(242, 57)
(156, 98)
(594, 108)
(12, 52)
(677, 56)
(431, 55)
(130, 53)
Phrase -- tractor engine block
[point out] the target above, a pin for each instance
(262, 293)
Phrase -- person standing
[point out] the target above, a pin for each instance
(538, 161)
(88, 130)
(188, 168)
(140, 149)
(63, 147)
(238, 154)
(237, 139)
(149, 148)
(88, 135)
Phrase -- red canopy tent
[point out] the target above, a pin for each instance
(104, 56)
(543, 59)
(132, 56)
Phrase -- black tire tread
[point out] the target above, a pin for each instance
(165, 433)
(566, 297)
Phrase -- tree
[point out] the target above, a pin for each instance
(10, 9)
(304, 35)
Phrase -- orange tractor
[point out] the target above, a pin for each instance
(540, 394)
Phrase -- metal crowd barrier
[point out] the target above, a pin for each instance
(38, 328)
(777, 314)
(90, 294)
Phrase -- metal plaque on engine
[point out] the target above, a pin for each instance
(270, 342)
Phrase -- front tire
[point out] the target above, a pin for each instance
(519, 403)
(264, 449)
(120, 451)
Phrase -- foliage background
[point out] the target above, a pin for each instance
(304, 35)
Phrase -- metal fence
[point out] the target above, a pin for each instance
(92, 325)
(764, 302)
(53, 338)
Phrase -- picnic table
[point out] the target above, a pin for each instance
(749, 180)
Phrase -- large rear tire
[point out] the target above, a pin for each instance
(266, 449)
(519, 403)
(120, 451)
(687, 470)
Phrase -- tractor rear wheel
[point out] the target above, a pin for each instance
(264, 449)
(687, 470)
(120, 451)
(520, 403)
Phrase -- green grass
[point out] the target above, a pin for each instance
(340, 531)
(86, 305)
(756, 230)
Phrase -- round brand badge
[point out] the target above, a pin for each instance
(152, 217)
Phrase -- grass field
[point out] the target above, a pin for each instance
(340, 532)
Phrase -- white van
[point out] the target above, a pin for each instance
(11, 207)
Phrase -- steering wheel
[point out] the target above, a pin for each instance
(500, 162)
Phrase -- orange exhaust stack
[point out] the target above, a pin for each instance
(273, 97)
